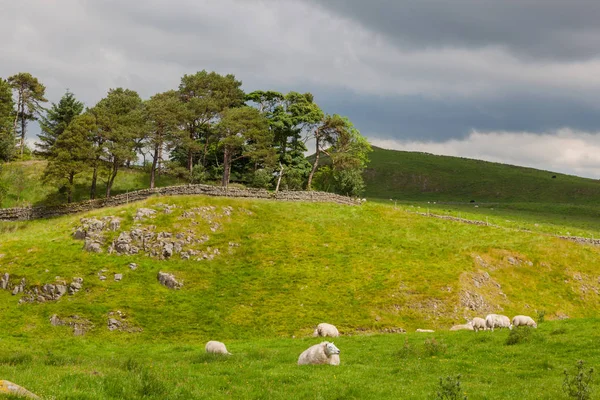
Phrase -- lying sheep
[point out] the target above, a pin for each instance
(324, 329)
(425, 330)
(216, 348)
(497, 321)
(322, 353)
(464, 327)
(523, 320)
(478, 324)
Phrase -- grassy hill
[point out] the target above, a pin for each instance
(25, 185)
(281, 269)
(427, 177)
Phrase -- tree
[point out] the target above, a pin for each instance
(7, 139)
(290, 117)
(205, 95)
(347, 150)
(30, 94)
(163, 113)
(120, 121)
(71, 153)
(56, 120)
(243, 133)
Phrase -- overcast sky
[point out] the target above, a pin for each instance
(506, 81)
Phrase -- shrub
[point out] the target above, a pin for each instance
(450, 389)
(434, 348)
(577, 386)
(518, 335)
(406, 351)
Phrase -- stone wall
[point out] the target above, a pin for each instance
(29, 213)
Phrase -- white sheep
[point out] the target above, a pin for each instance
(216, 348)
(478, 324)
(425, 330)
(322, 353)
(464, 327)
(497, 321)
(523, 320)
(324, 329)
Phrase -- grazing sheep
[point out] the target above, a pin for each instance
(497, 321)
(464, 327)
(216, 347)
(523, 320)
(322, 353)
(425, 330)
(324, 329)
(478, 324)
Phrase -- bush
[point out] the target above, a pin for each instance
(262, 179)
(518, 335)
(450, 389)
(578, 385)
(406, 351)
(434, 348)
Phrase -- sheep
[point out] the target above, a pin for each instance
(497, 321)
(425, 330)
(478, 324)
(523, 320)
(324, 329)
(322, 353)
(464, 327)
(216, 348)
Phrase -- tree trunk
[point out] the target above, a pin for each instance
(70, 188)
(190, 151)
(19, 97)
(226, 167)
(153, 169)
(94, 179)
(23, 127)
(113, 175)
(160, 155)
(315, 165)
(279, 177)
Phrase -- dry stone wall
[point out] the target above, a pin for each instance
(29, 213)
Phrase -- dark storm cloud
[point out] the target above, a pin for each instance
(550, 29)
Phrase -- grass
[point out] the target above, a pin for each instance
(372, 367)
(26, 187)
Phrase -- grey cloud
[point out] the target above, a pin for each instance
(553, 29)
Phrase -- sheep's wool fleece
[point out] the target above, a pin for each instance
(317, 354)
(325, 329)
(216, 347)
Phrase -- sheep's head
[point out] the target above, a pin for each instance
(330, 349)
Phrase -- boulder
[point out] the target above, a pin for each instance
(144, 213)
(92, 245)
(12, 389)
(4, 281)
(168, 280)
(118, 277)
(133, 266)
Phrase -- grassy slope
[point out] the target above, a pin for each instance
(422, 176)
(26, 187)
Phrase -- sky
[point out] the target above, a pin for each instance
(516, 82)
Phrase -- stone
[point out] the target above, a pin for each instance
(102, 277)
(114, 223)
(133, 266)
(6, 277)
(144, 213)
(122, 244)
(9, 388)
(167, 250)
(75, 286)
(118, 277)
(92, 246)
(168, 280)
(113, 324)
(79, 234)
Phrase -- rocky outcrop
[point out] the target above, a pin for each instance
(169, 280)
(41, 293)
(80, 325)
(117, 321)
(12, 389)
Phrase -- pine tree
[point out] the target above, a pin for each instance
(56, 120)
(7, 139)
(30, 94)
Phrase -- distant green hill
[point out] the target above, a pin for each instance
(408, 175)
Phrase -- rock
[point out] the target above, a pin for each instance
(6, 277)
(102, 277)
(167, 250)
(118, 277)
(80, 325)
(92, 246)
(114, 223)
(76, 285)
(133, 266)
(9, 388)
(168, 280)
(54, 320)
(122, 244)
(393, 330)
(144, 213)
(113, 324)
(79, 234)
(425, 330)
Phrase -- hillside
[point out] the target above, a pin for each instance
(280, 268)
(416, 176)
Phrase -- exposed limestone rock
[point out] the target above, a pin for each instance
(92, 245)
(168, 280)
(117, 321)
(118, 277)
(12, 389)
(50, 291)
(4, 281)
(133, 266)
(393, 330)
(143, 213)
(80, 325)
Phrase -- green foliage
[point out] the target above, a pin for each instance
(56, 121)
(577, 386)
(521, 334)
(262, 178)
(199, 174)
(432, 347)
(450, 389)
(7, 138)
